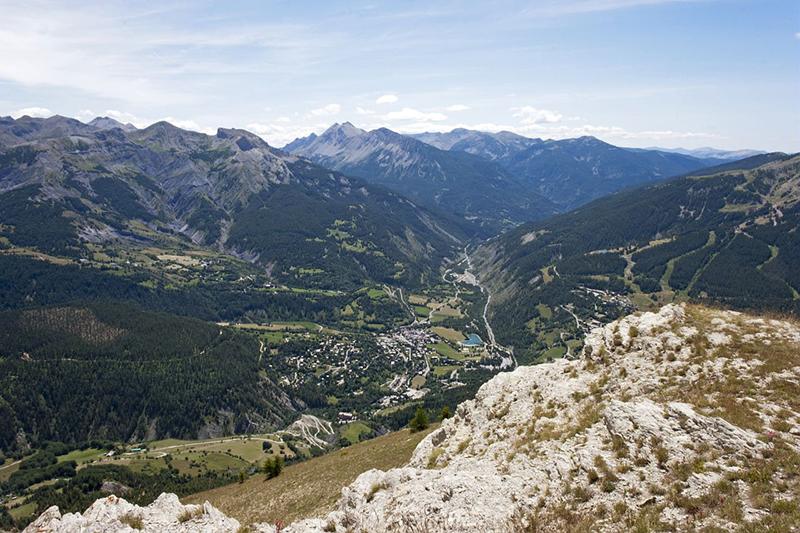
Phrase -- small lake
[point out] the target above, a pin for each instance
(472, 341)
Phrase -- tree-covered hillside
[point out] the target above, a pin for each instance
(115, 372)
(728, 237)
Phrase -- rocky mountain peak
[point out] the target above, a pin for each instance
(345, 130)
(244, 139)
(107, 123)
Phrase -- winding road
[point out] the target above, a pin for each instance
(470, 277)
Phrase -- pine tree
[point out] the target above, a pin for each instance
(445, 413)
(420, 420)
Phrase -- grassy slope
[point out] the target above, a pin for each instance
(310, 488)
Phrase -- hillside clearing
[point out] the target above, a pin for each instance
(310, 488)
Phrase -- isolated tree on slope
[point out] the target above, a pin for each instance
(420, 420)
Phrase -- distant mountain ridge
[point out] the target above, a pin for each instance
(708, 152)
(569, 172)
(457, 182)
(491, 146)
(107, 123)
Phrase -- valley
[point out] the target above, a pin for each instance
(201, 308)
(307, 370)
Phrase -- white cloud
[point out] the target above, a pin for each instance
(190, 125)
(555, 8)
(797, 35)
(283, 119)
(328, 110)
(282, 134)
(532, 115)
(457, 107)
(86, 114)
(35, 112)
(408, 113)
(145, 55)
(387, 99)
(362, 111)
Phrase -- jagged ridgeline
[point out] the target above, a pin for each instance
(465, 185)
(727, 235)
(64, 184)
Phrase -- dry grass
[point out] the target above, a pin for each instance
(132, 521)
(188, 515)
(310, 488)
(733, 395)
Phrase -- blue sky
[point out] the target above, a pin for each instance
(688, 73)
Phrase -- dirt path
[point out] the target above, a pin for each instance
(9, 465)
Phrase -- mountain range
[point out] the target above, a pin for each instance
(456, 182)
(569, 172)
(63, 183)
(499, 179)
(708, 152)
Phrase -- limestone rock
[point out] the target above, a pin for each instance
(112, 514)
(639, 430)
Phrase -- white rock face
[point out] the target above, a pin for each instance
(112, 514)
(605, 442)
(667, 420)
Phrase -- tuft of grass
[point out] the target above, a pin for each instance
(662, 455)
(434, 457)
(133, 521)
(463, 445)
(375, 489)
(190, 514)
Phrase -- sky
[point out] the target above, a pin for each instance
(670, 73)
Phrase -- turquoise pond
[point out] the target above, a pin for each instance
(472, 340)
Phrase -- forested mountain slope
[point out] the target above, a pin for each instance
(140, 376)
(64, 184)
(729, 237)
(569, 172)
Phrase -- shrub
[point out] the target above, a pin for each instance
(273, 467)
(420, 420)
(189, 514)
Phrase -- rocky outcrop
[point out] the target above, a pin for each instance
(680, 420)
(112, 514)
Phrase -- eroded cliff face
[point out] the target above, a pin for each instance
(686, 418)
